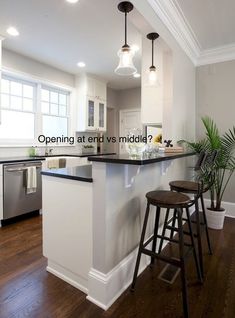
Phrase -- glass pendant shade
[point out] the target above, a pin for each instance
(126, 66)
(152, 76)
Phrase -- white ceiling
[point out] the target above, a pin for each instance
(203, 28)
(212, 21)
(62, 34)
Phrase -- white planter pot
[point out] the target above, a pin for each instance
(215, 219)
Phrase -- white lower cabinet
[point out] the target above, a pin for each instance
(1, 192)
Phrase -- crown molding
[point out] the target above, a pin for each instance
(217, 55)
(174, 19)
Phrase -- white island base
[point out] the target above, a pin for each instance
(91, 231)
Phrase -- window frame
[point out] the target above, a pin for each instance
(37, 108)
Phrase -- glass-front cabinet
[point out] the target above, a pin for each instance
(96, 115)
(102, 116)
(91, 104)
(91, 114)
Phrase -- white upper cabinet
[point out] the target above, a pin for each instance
(91, 104)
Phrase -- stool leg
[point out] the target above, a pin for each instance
(155, 233)
(194, 246)
(182, 261)
(140, 246)
(199, 239)
(173, 224)
(205, 222)
(163, 231)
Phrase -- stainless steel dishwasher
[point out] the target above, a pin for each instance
(16, 201)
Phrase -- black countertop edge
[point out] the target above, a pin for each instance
(80, 155)
(40, 158)
(19, 159)
(79, 173)
(125, 159)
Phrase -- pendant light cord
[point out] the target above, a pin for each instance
(152, 53)
(125, 28)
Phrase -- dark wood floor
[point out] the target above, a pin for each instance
(27, 290)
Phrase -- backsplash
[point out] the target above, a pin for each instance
(24, 151)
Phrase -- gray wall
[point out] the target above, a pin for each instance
(17, 62)
(129, 98)
(215, 97)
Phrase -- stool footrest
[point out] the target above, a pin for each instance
(163, 258)
(164, 238)
(148, 241)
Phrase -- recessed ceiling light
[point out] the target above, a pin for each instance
(135, 48)
(72, 1)
(81, 64)
(137, 75)
(13, 31)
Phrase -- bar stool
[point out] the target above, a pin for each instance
(205, 163)
(178, 202)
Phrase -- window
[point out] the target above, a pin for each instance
(18, 109)
(30, 109)
(54, 105)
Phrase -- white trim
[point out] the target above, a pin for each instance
(228, 206)
(104, 289)
(174, 19)
(36, 79)
(2, 37)
(217, 55)
(66, 276)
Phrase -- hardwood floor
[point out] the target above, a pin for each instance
(27, 290)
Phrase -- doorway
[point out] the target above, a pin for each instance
(128, 120)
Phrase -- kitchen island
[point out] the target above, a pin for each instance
(91, 229)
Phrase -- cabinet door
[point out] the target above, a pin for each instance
(90, 114)
(102, 116)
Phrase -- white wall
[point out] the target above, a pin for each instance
(215, 98)
(20, 63)
(180, 117)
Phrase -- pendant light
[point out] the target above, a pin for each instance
(126, 54)
(152, 76)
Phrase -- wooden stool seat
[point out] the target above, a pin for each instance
(185, 186)
(167, 199)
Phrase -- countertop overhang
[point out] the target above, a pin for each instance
(79, 173)
(5, 160)
(126, 159)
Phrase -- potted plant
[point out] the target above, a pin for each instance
(222, 170)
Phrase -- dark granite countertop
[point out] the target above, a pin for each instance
(79, 173)
(126, 159)
(77, 155)
(37, 158)
(19, 159)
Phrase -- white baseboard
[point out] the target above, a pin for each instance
(69, 277)
(105, 289)
(228, 206)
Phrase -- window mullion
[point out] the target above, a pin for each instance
(38, 112)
